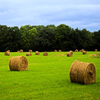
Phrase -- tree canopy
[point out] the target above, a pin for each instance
(47, 38)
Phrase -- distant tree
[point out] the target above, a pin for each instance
(13, 39)
(31, 36)
(96, 38)
(3, 36)
(25, 42)
(85, 39)
(62, 39)
(45, 38)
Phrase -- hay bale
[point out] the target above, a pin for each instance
(28, 54)
(21, 51)
(37, 53)
(81, 72)
(80, 50)
(45, 54)
(18, 63)
(84, 52)
(60, 50)
(30, 50)
(8, 50)
(96, 49)
(70, 54)
(95, 55)
(76, 50)
(7, 53)
(18, 51)
(55, 50)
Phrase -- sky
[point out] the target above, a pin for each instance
(74, 13)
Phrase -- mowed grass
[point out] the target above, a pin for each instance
(47, 78)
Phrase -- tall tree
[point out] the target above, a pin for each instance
(62, 40)
(45, 38)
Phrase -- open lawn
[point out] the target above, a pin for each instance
(47, 78)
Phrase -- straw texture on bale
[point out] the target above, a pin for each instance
(81, 72)
(70, 54)
(18, 63)
(7, 53)
(28, 54)
(84, 52)
(45, 54)
(37, 53)
(30, 50)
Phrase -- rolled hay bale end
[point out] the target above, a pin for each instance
(18, 63)
(45, 54)
(37, 53)
(28, 54)
(55, 50)
(7, 53)
(84, 52)
(30, 50)
(82, 72)
(70, 54)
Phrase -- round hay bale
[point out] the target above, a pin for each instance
(81, 72)
(18, 51)
(37, 53)
(28, 54)
(84, 52)
(60, 50)
(18, 63)
(30, 50)
(7, 53)
(21, 51)
(45, 54)
(55, 50)
(96, 49)
(80, 50)
(76, 50)
(70, 54)
(8, 50)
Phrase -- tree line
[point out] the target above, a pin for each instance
(47, 38)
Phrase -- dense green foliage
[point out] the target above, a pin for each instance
(47, 78)
(47, 38)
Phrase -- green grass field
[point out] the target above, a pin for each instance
(47, 78)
